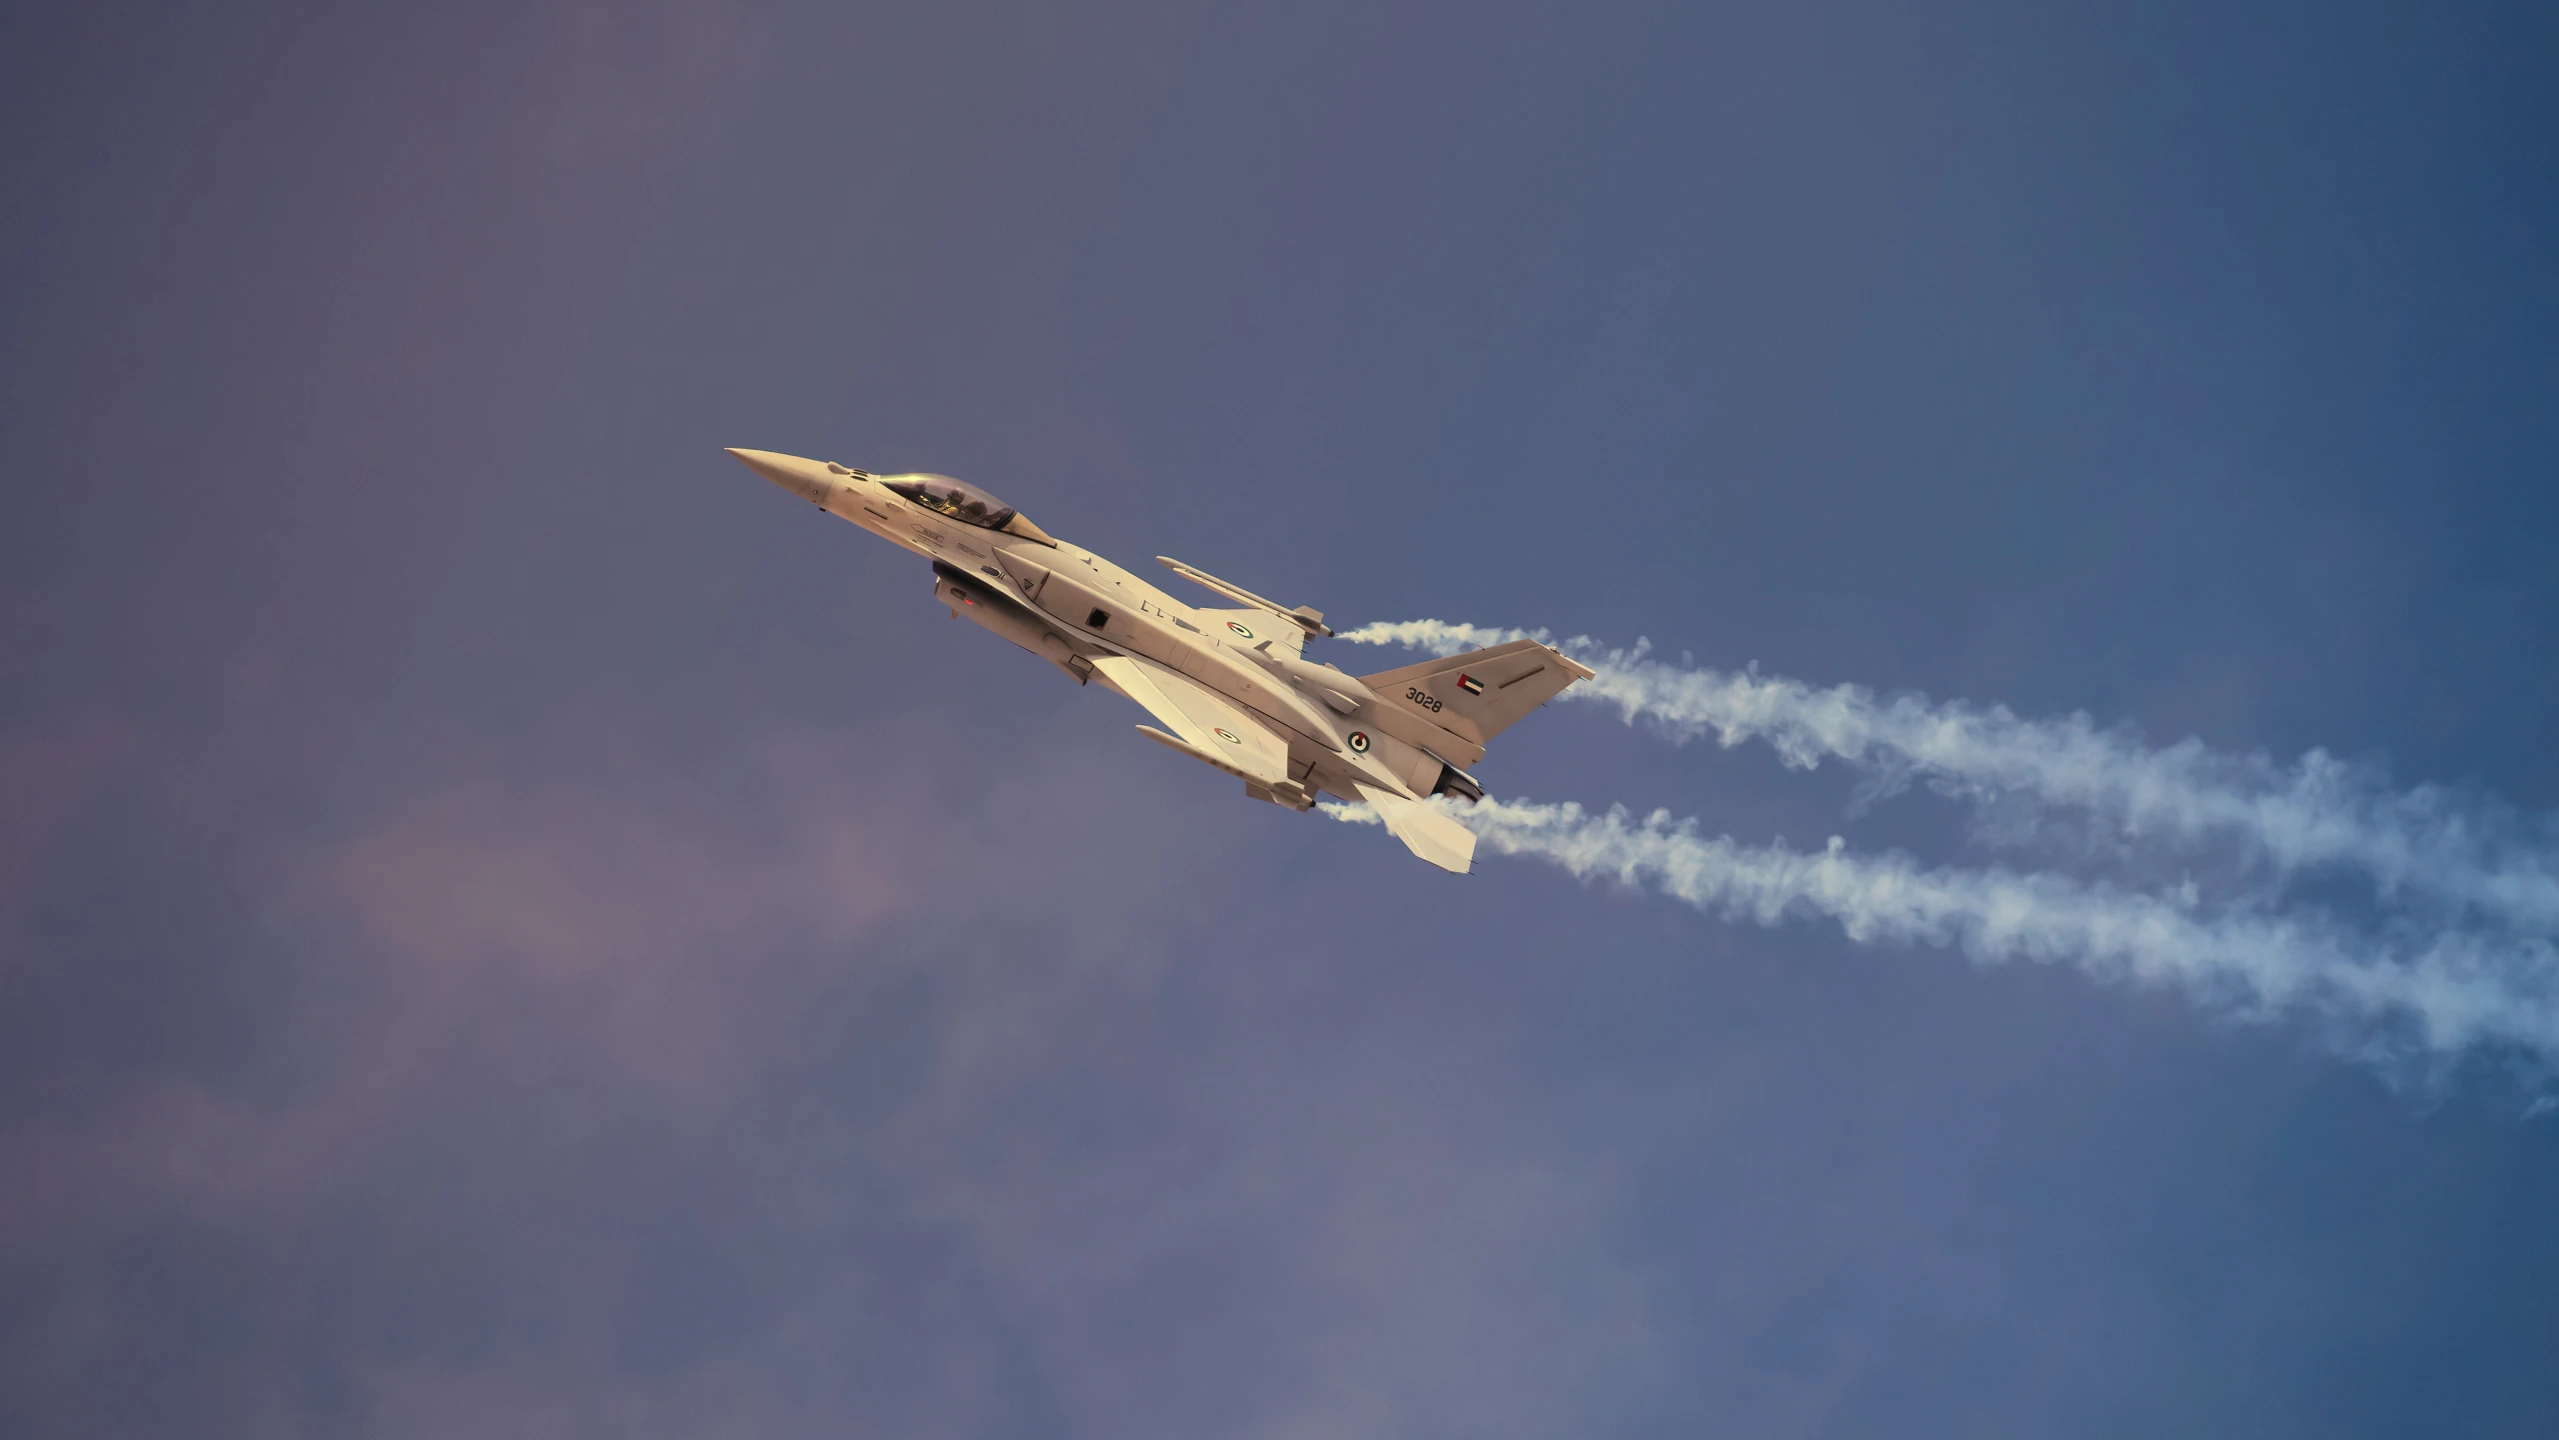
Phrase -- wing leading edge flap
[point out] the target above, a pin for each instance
(1424, 830)
(1208, 725)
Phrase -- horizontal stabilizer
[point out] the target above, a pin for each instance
(1424, 830)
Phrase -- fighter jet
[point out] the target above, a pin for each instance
(1233, 687)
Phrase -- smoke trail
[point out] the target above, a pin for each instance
(2478, 855)
(2397, 999)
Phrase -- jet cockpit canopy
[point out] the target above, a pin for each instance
(965, 502)
(956, 498)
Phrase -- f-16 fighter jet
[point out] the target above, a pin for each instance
(1232, 686)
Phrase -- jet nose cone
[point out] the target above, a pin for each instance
(808, 479)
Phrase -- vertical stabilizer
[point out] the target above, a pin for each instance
(1480, 694)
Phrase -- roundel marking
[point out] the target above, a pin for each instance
(1359, 741)
(1229, 736)
(1242, 630)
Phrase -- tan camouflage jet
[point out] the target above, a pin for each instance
(1232, 686)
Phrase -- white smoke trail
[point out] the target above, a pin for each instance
(2429, 999)
(2502, 868)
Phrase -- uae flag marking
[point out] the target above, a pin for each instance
(1470, 684)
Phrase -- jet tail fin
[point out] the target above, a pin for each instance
(1480, 694)
(1425, 831)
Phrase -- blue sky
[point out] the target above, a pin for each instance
(509, 925)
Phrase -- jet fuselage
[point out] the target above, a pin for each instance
(1071, 607)
(1233, 684)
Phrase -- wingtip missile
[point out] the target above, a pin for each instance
(1305, 617)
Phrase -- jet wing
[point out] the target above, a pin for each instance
(1209, 725)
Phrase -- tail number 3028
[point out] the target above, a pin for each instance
(1427, 702)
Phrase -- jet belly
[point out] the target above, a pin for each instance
(1133, 616)
(983, 599)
